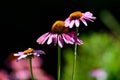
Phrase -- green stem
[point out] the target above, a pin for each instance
(59, 62)
(30, 59)
(75, 57)
(74, 62)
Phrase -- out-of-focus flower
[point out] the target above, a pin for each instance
(40, 74)
(28, 52)
(76, 17)
(99, 74)
(20, 75)
(4, 75)
(36, 62)
(21, 71)
(59, 33)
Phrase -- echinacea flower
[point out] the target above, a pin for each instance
(28, 52)
(59, 33)
(76, 17)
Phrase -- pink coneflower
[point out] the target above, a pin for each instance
(59, 33)
(76, 17)
(28, 52)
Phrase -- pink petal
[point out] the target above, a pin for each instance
(18, 54)
(43, 38)
(89, 16)
(68, 19)
(60, 41)
(50, 39)
(77, 23)
(90, 19)
(22, 56)
(84, 22)
(67, 22)
(71, 24)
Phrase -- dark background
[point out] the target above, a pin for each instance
(21, 23)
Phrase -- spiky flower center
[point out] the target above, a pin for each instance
(29, 50)
(76, 15)
(59, 27)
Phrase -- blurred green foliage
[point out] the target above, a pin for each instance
(100, 50)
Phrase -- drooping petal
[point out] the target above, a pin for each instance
(78, 41)
(55, 39)
(84, 21)
(43, 38)
(65, 39)
(89, 19)
(77, 23)
(60, 41)
(67, 22)
(50, 39)
(68, 39)
(71, 24)
(89, 16)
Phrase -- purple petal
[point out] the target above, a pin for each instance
(38, 52)
(65, 39)
(43, 38)
(60, 41)
(55, 39)
(79, 42)
(68, 39)
(76, 39)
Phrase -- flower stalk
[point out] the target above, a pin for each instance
(31, 71)
(59, 62)
(75, 57)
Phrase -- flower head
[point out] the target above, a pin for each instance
(59, 33)
(28, 52)
(76, 17)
